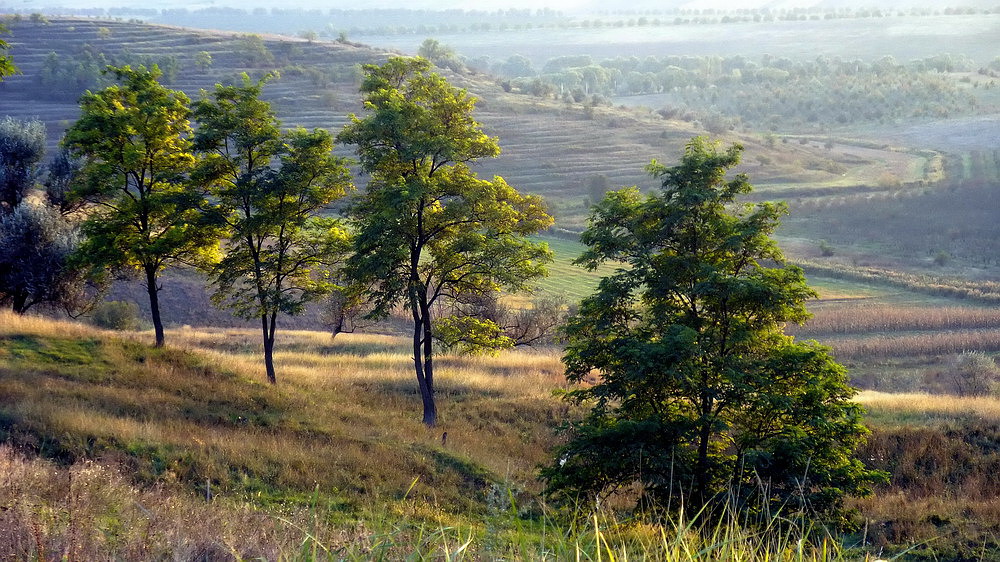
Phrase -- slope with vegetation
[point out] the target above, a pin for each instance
(338, 438)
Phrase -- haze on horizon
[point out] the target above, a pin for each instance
(568, 6)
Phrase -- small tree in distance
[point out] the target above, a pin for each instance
(428, 229)
(701, 399)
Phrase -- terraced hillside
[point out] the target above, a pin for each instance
(550, 148)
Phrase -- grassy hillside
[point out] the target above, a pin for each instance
(181, 452)
(342, 419)
(335, 456)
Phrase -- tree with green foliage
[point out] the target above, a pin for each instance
(254, 51)
(203, 61)
(145, 214)
(701, 398)
(440, 55)
(428, 230)
(7, 67)
(22, 146)
(272, 188)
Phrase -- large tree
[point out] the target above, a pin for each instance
(699, 395)
(272, 188)
(427, 228)
(145, 212)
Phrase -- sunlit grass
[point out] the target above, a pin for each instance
(92, 511)
(921, 409)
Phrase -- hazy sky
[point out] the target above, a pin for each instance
(487, 5)
(567, 6)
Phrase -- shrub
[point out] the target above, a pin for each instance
(825, 249)
(116, 315)
(970, 373)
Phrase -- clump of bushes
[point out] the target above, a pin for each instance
(970, 373)
(116, 315)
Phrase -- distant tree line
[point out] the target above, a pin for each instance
(765, 93)
(334, 21)
(65, 76)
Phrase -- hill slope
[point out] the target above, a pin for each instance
(550, 148)
(340, 424)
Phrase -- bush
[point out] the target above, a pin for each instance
(116, 315)
(970, 373)
(825, 249)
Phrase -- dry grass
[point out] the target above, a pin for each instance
(850, 318)
(880, 346)
(924, 409)
(90, 511)
(344, 417)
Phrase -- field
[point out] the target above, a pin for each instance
(548, 146)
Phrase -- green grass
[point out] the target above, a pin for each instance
(572, 282)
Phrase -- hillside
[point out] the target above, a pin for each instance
(549, 147)
(559, 150)
(335, 457)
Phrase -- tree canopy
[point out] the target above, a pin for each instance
(22, 146)
(7, 66)
(699, 397)
(145, 213)
(427, 228)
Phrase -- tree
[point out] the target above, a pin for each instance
(145, 213)
(253, 50)
(203, 61)
(428, 229)
(36, 245)
(22, 146)
(36, 240)
(477, 322)
(7, 67)
(700, 394)
(440, 55)
(271, 188)
(63, 171)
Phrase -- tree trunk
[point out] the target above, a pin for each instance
(419, 363)
(701, 474)
(154, 304)
(430, 408)
(20, 303)
(268, 332)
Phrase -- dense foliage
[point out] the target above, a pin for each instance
(699, 398)
(36, 239)
(22, 146)
(768, 93)
(64, 77)
(145, 213)
(6, 61)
